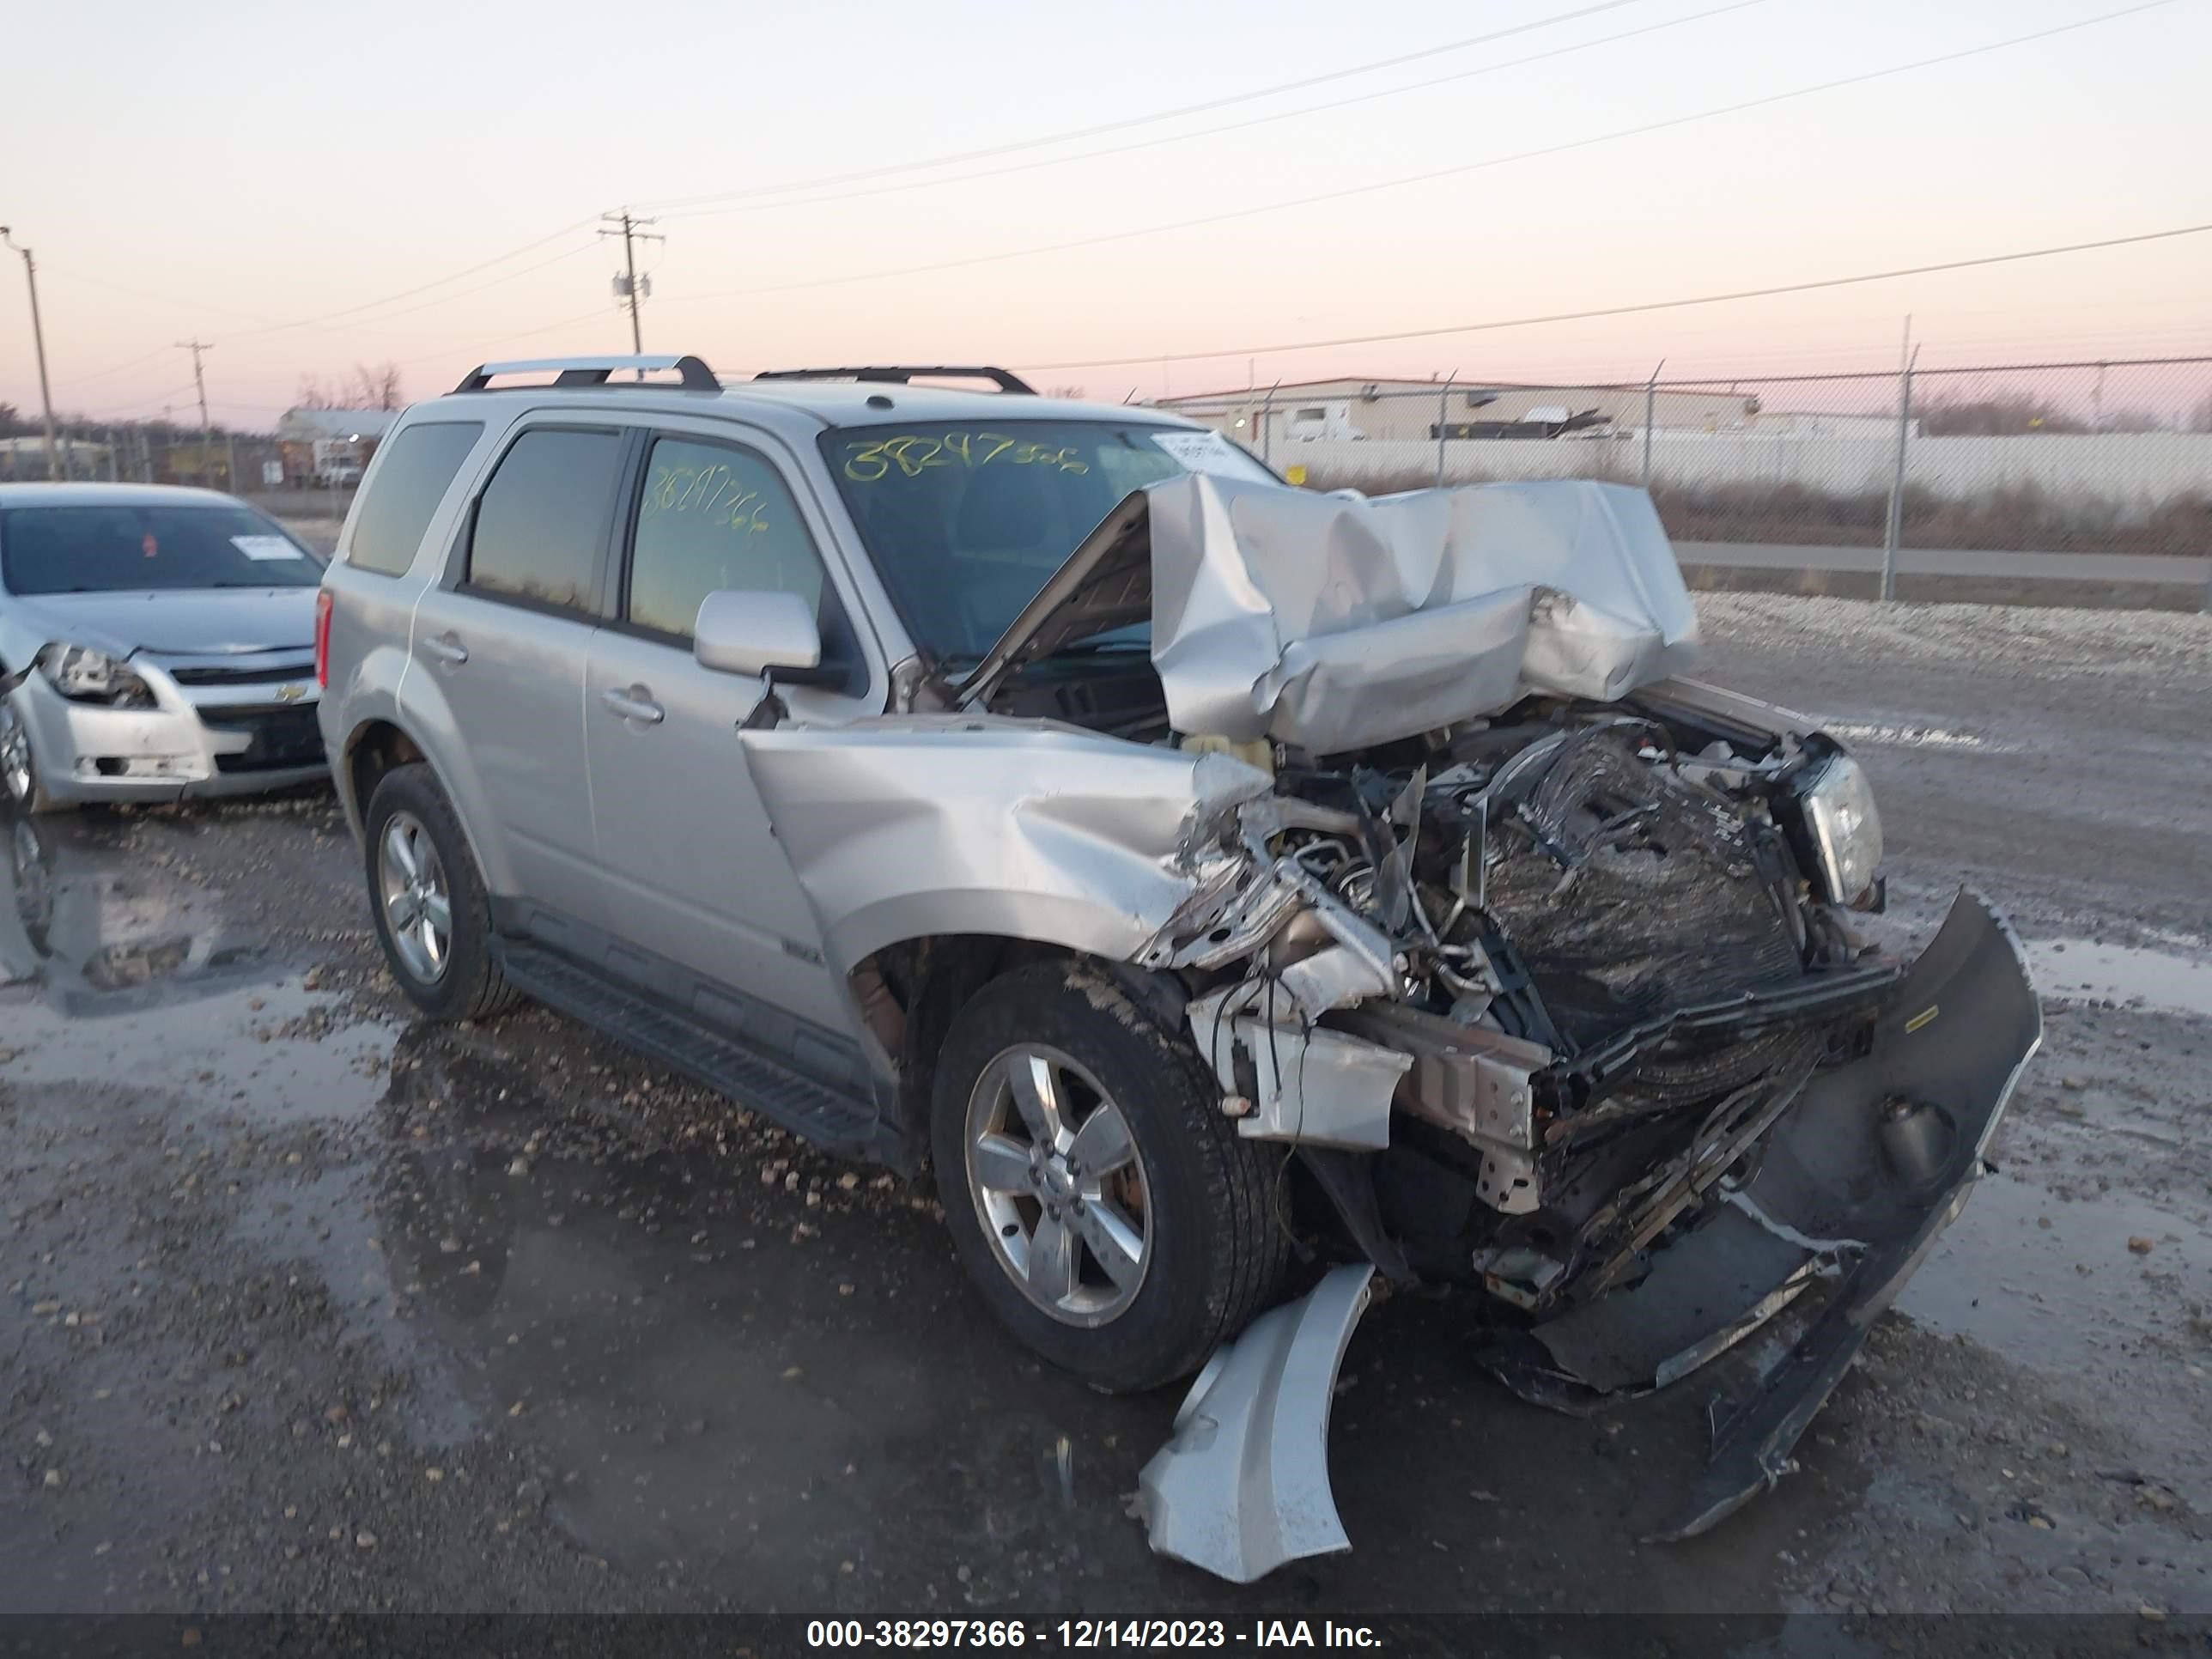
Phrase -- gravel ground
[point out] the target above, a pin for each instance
(304, 1304)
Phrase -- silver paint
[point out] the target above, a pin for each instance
(1242, 1486)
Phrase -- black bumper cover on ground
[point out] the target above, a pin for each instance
(1816, 1244)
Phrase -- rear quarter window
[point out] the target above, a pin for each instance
(412, 475)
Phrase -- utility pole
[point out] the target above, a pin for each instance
(196, 347)
(627, 286)
(39, 339)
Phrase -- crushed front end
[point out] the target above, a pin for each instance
(1565, 1006)
(1540, 955)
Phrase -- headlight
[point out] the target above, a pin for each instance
(1845, 829)
(83, 675)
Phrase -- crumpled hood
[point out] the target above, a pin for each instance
(1335, 623)
(176, 622)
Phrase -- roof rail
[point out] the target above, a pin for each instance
(900, 374)
(570, 372)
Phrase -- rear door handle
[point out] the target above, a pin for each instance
(634, 702)
(446, 647)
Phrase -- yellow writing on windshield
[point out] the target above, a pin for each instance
(910, 454)
(711, 492)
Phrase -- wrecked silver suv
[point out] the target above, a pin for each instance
(1269, 869)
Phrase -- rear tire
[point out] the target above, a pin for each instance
(1172, 1211)
(409, 821)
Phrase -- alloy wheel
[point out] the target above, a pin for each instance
(1061, 1190)
(14, 755)
(418, 906)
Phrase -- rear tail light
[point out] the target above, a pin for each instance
(323, 638)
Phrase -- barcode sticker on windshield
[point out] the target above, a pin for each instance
(266, 547)
(1205, 452)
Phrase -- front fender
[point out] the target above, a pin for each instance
(906, 826)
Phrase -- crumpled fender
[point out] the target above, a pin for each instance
(1242, 1486)
(909, 826)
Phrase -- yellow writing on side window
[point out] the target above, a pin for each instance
(711, 492)
(910, 454)
(1295, 475)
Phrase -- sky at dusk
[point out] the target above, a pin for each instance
(305, 186)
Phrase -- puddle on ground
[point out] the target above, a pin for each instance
(2083, 969)
(327, 1222)
(2053, 1284)
(102, 929)
(273, 1054)
(701, 1368)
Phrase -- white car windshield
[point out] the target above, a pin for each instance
(118, 548)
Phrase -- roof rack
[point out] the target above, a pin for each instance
(570, 372)
(900, 374)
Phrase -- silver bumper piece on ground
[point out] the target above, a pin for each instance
(1243, 1484)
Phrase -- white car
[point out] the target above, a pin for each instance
(155, 643)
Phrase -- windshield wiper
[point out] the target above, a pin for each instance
(1098, 647)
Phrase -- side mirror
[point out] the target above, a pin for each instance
(756, 631)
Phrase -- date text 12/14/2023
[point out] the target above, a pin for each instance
(1084, 1634)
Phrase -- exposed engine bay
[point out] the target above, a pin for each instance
(1556, 953)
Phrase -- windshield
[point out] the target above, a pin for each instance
(129, 548)
(966, 520)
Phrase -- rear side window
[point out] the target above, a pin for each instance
(714, 516)
(413, 472)
(542, 519)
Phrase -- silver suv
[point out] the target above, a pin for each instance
(1193, 870)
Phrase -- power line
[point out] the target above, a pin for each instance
(445, 299)
(1429, 177)
(1231, 126)
(1124, 124)
(420, 287)
(140, 401)
(117, 368)
(1627, 310)
(476, 348)
(567, 253)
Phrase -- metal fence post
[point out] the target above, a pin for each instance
(1268, 425)
(1651, 404)
(1444, 413)
(1894, 527)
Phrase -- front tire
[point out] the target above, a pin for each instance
(432, 912)
(1109, 1214)
(18, 767)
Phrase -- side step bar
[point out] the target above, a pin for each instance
(835, 1121)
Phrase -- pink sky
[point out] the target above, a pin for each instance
(241, 176)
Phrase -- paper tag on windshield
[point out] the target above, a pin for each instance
(266, 547)
(1205, 452)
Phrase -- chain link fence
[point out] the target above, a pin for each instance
(1925, 468)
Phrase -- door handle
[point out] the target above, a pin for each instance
(446, 647)
(634, 702)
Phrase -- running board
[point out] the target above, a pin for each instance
(834, 1121)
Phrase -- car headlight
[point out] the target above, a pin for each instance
(83, 675)
(1846, 830)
